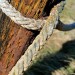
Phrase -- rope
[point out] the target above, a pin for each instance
(37, 44)
(47, 29)
(17, 17)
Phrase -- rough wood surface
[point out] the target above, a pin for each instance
(14, 39)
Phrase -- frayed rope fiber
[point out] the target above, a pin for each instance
(31, 24)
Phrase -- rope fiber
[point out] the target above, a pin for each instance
(17, 17)
(47, 29)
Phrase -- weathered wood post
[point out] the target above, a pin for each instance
(14, 39)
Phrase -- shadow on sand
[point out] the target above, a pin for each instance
(65, 27)
(68, 27)
(50, 63)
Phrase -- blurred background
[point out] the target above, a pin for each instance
(57, 57)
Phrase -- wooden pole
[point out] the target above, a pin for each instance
(14, 39)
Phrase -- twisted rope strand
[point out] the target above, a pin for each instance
(17, 17)
(39, 41)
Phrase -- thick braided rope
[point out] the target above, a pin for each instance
(37, 44)
(16, 16)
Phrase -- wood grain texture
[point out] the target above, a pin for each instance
(14, 39)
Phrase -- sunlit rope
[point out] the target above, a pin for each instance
(47, 29)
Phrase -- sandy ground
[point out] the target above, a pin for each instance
(58, 54)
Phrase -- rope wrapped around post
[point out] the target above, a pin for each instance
(17, 17)
(47, 29)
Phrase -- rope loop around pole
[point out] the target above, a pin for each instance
(47, 28)
(17, 17)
